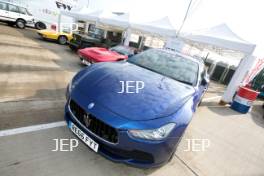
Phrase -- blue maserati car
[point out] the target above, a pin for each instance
(136, 111)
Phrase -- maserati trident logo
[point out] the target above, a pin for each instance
(87, 120)
(91, 105)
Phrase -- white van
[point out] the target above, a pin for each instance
(15, 15)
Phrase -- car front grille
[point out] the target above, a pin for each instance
(94, 125)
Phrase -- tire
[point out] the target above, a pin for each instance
(21, 24)
(39, 25)
(62, 40)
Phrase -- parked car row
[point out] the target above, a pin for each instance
(134, 111)
(88, 48)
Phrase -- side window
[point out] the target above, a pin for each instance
(13, 8)
(22, 10)
(3, 6)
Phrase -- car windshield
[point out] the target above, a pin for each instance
(30, 14)
(122, 50)
(168, 64)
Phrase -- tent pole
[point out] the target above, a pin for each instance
(127, 37)
(184, 19)
(241, 72)
(59, 23)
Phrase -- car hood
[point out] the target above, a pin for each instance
(160, 97)
(101, 54)
(47, 32)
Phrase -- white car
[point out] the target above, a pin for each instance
(15, 15)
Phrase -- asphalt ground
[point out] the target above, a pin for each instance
(33, 77)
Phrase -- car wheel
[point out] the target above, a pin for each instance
(20, 24)
(62, 40)
(39, 25)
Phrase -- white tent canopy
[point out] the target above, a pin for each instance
(84, 14)
(101, 17)
(221, 36)
(116, 19)
(161, 27)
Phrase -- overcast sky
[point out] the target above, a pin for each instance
(244, 17)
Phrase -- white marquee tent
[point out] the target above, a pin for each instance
(161, 27)
(116, 19)
(223, 37)
(100, 17)
(82, 14)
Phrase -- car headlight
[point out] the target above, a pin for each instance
(154, 134)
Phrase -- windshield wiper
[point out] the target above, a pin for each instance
(185, 82)
(145, 67)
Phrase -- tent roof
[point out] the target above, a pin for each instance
(221, 36)
(117, 19)
(160, 26)
(102, 17)
(84, 14)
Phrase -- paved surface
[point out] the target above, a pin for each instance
(33, 77)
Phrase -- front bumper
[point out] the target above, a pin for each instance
(136, 152)
(43, 35)
(73, 45)
(85, 60)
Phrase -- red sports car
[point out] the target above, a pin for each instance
(92, 55)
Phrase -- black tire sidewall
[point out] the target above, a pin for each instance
(23, 22)
(40, 26)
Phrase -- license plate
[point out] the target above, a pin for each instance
(86, 139)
